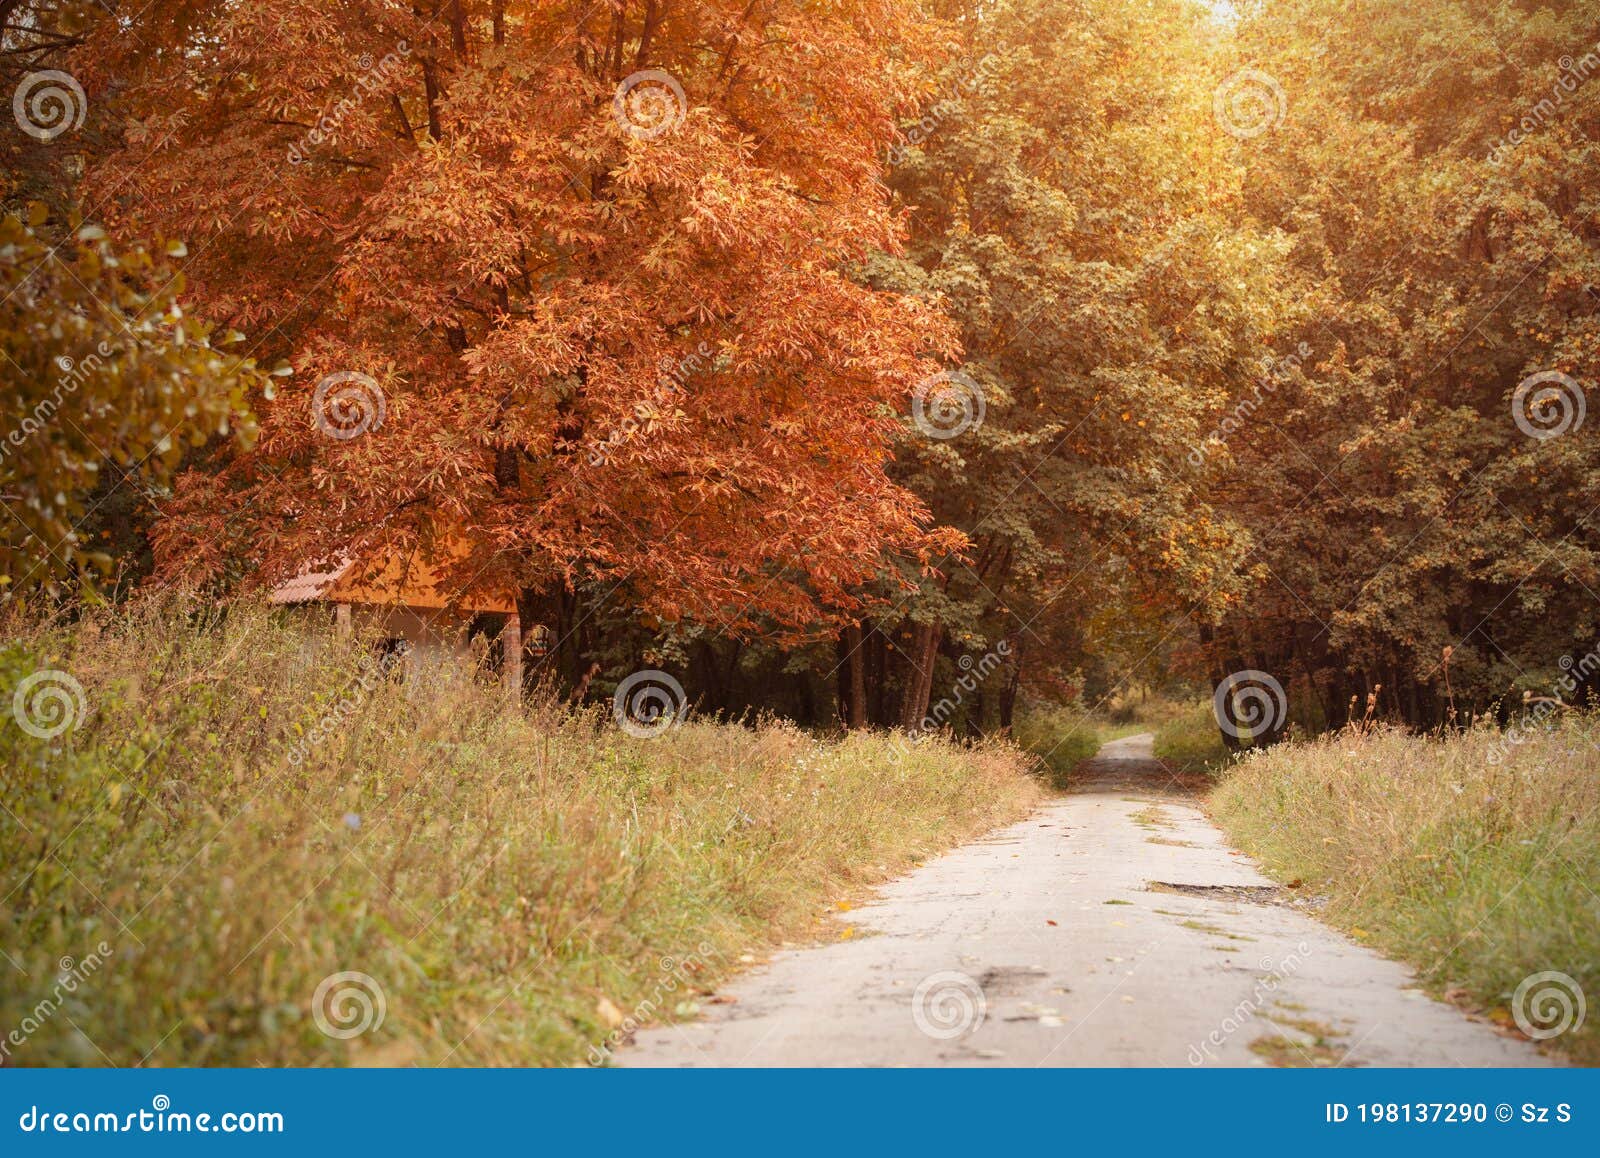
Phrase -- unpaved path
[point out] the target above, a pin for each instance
(1112, 927)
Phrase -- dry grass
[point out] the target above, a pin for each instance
(1475, 859)
(511, 880)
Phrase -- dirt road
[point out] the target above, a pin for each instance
(1112, 927)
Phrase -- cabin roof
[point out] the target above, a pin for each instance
(308, 586)
(404, 579)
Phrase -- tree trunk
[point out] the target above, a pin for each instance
(856, 661)
(1208, 640)
(1008, 694)
(841, 680)
(877, 677)
(919, 680)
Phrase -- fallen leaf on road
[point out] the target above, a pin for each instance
(1049, 922)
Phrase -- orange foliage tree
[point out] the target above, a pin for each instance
(560, 278)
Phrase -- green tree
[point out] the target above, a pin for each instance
(1421, 476)
(101, 370)
(1074, 203)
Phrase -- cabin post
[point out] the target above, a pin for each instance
(511, 655)
(341, 619)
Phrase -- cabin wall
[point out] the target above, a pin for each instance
(437, 644)
(437, 653)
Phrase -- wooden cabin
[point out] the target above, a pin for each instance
(410, 609)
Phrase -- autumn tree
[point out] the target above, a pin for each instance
(565, 280)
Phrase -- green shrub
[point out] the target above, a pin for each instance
(1189, 741)
(1059, 738)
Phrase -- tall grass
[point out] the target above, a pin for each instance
(1059, 738)
(1188, 739)
(1476, 857)
(245, 811)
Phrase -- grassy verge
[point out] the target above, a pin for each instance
(1474, 858)
(1188, 739)
(243, 813)
(1059, 738)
